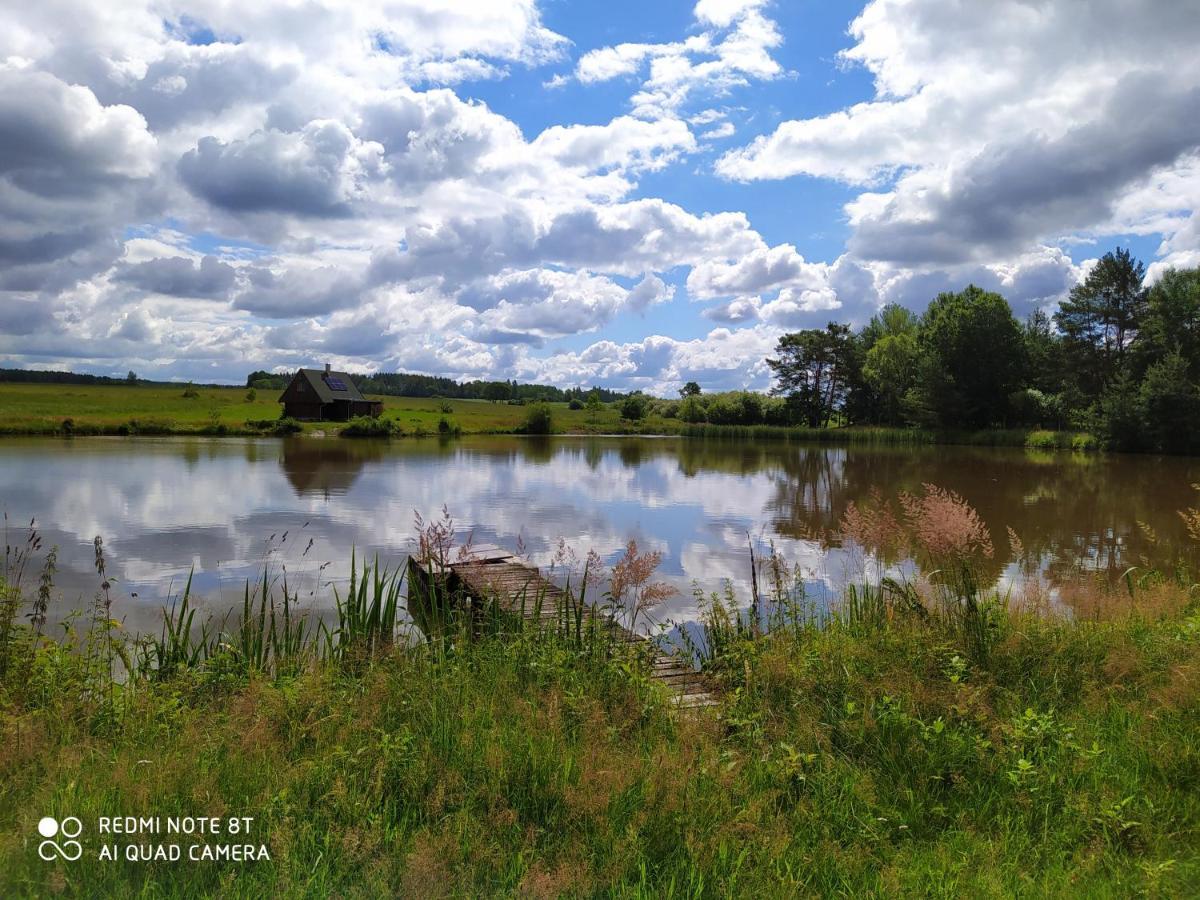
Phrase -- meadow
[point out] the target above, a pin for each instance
(66, 409)
(924, 738)
(155, 409)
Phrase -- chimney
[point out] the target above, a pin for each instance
(327, 368)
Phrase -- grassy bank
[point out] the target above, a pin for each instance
(46, 409)
(883, 436)
(33, 409)
(911, 742)
(842, 765)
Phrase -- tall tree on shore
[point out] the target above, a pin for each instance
(1101, 319)
(890, 369)
(887, 348)
(1173, 320)
(811, 369)
(1043, 353)
(972, 357)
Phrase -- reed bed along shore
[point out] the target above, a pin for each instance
(926, 736)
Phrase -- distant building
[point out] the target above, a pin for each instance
(326, 396)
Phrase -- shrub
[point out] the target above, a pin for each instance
(735, 408)
(1032, 407)
(1043, 440)
(1084, 443)
(575, 403)
(280, 427)
(668, 409)
(635, 407)
(1120, 414)
(691, 410)
(775, 411)
(1169, 404)
(445, 407)
(251, 395)
(447, 426)
(539, 420)
(365, 426)
(190, 392)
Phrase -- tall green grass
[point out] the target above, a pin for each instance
(860, 749)
(880, 436)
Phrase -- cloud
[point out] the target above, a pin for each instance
(192, 184)
(735, 312)
(320, 170)
(650, 291)
(179, 276)
(1017, 191)
(724, 130)
(296, 290)
(530, 306)
(733, 49)
(58, 139)
(724, 359)
(71, 169)
(761, 270)
(625, 143)
(996, 128)
(626, 239)
(723, 13)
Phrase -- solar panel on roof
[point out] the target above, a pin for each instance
(335, 384)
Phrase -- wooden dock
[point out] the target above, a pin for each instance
(493, 575)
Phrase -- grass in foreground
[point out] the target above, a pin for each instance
(841, 764)
(891, 748)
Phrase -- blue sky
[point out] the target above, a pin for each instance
(631, 194)
(806, 212)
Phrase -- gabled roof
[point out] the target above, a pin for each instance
(319, 380)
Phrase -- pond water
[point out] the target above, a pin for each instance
(223, 506)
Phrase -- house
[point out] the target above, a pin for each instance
(326, 396)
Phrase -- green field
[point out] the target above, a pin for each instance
(119, 409)
(55, 409)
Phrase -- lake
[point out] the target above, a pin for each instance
(226, 506)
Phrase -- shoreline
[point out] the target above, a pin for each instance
(1032, 439)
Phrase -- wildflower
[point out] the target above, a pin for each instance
(1014, 543)
(944, 525)
(874, 528)
(435, 538)
(631, 588)
(1191, 519)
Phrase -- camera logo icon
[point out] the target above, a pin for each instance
(50, 828)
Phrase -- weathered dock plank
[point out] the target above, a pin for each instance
(492, 575)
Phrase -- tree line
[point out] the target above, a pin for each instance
(406, 384)
(1118, 359)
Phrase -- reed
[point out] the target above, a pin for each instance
(860, 749)
(368, 614)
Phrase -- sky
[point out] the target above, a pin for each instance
(572, 192)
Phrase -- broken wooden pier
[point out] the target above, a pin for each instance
(491, 578)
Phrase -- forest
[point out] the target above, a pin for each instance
(1118, 359)
(408, 384)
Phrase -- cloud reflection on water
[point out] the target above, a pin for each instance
(167, 506)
